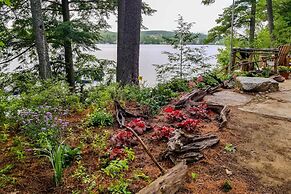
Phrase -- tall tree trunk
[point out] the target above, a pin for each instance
(253, 22)
(40, 39)
(70, 73)
(129, 23)
(270, 20)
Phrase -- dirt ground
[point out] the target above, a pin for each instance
(264, 146)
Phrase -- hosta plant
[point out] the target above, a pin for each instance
(137, 125)
(162, 133)
(189, 125)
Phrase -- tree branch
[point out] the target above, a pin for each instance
(9, 60)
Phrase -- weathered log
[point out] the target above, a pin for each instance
(223, 112)
(183, 146)
(196, 95)
(170, 183)
(121, 114)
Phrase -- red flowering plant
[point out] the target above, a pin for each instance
(123, 138)
(174, 115)
(189, 125)
(137, 125)
(200, 112)
(162, 133)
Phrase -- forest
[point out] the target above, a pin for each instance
(73, 123)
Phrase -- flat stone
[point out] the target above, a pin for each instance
(271, 108)
(257, 84)
(286, 85)
(228, 98)
(281, 96)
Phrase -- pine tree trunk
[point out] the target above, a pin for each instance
(270, 19)
(40, 39)
(129, 23)
(253, 23)
(70, 73)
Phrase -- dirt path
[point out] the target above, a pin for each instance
(262, 131)
(264, 146)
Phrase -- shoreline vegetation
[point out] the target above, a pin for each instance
(156, 37)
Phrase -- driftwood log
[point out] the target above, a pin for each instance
(169, 183)
(196, 95)
(121, 113)
(187, 147)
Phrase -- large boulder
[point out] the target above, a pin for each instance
(257, 84)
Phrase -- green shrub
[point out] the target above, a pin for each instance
(100, 118)
(119, 187)
(60, 157)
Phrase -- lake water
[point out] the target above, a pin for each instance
(152, 54)
(149, 55)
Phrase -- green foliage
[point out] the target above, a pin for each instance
(151, 99)
(115, 167)
(226, 187)
(140, 175)
(53, 96)
(119, 187)
(4, 178)
(60, 156)
(284, 69)
(3, 136)
(185, 61)
(229, 148)
(194, 176)
(100, 118)
(18, 148)
(88, 180)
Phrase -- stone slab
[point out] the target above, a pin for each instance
(257, 84)
(285, 85)
(271, 108)
(281, 96)
(228, 98)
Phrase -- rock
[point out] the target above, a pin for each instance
(278, 78)
(257, 84)
(228, 172)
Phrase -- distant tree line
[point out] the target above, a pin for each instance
(155, 37)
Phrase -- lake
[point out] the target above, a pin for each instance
(152, 54)
(149, 55)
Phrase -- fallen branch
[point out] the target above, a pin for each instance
(163, 171)
(121, 113)
(170, 183)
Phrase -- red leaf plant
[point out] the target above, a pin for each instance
(123, 138)
(174, 115)
(189, 125)
(162, 133)
(137, 125)
(116, 153)
(200, 112)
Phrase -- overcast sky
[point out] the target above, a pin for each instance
(191, 10)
